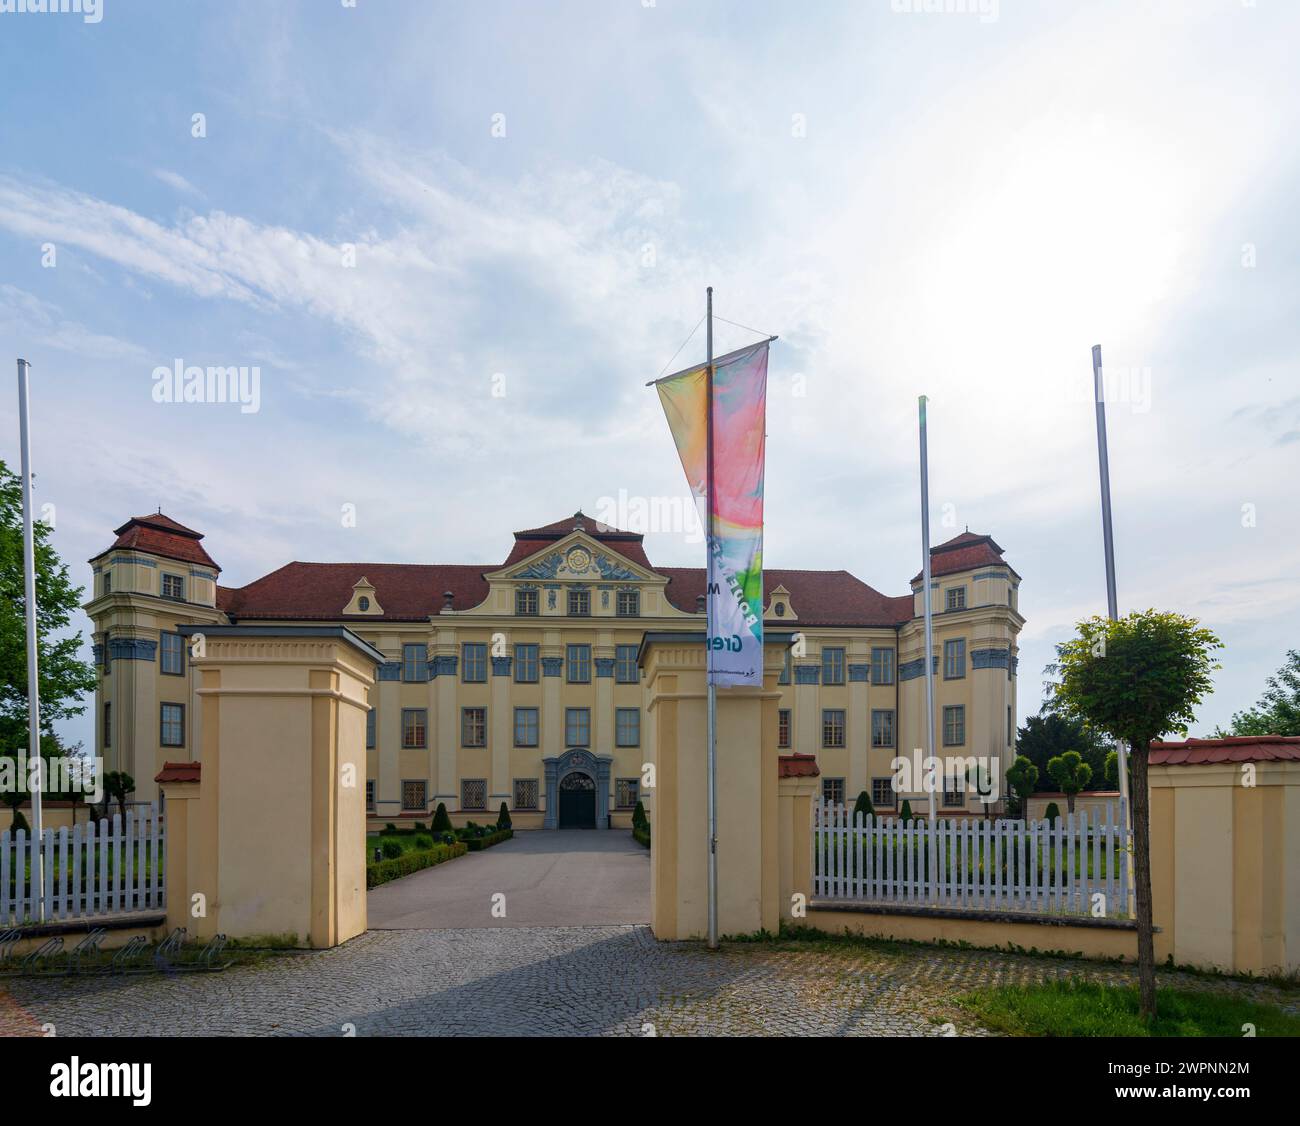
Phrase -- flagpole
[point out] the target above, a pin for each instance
(1112, 598)
(35, 765)
(712, 784)
(929, 627)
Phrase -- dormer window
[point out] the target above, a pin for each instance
(173, 587)
(779, 608)
(363, 603)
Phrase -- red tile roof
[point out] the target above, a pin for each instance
(820, 598)
(406, 591)
(532, 540)
(797, 766)
(1235, 748)
(179, 772)
(157, 534)
(964, 553)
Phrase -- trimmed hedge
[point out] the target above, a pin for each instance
(641, 834)
(410, 862)
(478, 844)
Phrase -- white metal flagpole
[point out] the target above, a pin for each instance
(35, 765)
(1112, 598)
(929, 631)
(712, 784)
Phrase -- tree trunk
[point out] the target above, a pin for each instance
(1139, 799)
(1069, 803)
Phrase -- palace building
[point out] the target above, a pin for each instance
(519, 682)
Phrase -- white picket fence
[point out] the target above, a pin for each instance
(109, 867)
(974, 863)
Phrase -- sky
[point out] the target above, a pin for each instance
(456, 241)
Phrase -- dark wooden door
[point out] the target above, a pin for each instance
(577, 802)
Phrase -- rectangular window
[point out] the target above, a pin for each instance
(882, 793)
(473, 727)
(784, 678)
(783, 728)
(1011, 730)
(108, 725)
(526, 791)
(579, 664)
(108, 653)
(833, 790)
(579, 604)
(954, 799)
(832, 727)
(413, 794)
(108, 582)
(526, 603)
(955, 599)
(415, 662)
(370, 728)
(171, 654)
(625, 670)
(473, 793)
(173, 587)
(954, 659)
(627, 727)
(473, 661)
(172, 733)
(525, 727)
(882, 728)
(525, 664)
(370, 795)
(832, 666)
(629, 604)
(414, 727)
(626, 792)
(954, 726)
(882, 666)
(577, 727)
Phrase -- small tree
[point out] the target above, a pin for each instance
(117, 785)
(441, 822)
(1278, 711)
(1136, 679)
(1022, 777)
(906, 815)
(503, 818)
(863, 806)
(1071, 773)
(1052, 813)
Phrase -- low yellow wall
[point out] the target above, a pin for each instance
(1225, 865)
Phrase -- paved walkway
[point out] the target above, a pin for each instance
(552, 981)
(563, 878)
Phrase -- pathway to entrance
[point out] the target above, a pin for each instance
(562, 877)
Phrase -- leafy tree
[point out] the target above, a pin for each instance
(1071, 774)
(1049, 734)
(1278, 710)
(117, 785)
(1136, 679)
(863, 806)
(1022, 777)
(64, 678)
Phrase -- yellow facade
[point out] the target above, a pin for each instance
(453, 667)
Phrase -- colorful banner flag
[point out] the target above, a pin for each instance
(735, 512)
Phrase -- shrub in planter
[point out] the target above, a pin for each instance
(391, 849)
(503, 818)
(441, 822)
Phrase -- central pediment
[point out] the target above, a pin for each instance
(576, 557)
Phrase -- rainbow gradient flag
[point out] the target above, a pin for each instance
(735, 512)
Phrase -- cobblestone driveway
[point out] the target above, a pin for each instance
(548, 981)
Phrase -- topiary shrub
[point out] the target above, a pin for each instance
(638, 816)
(417, 828)
(423, 840)
(20, 822)
(503, 818)
(389, 827)
(1051, 813)
(863, 806)
(441, 822)
(391, 849)
(906, 815)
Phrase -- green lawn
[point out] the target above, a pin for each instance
(1067, 1008)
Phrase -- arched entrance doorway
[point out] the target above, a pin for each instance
(577, 790)
(577, 801)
